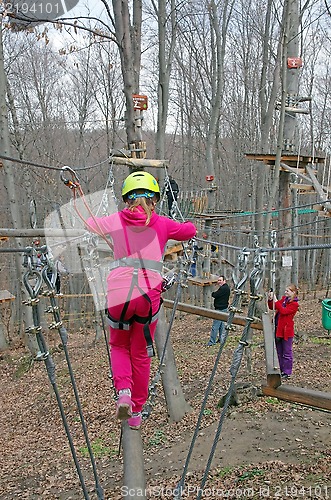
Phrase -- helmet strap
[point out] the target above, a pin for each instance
(147, 194)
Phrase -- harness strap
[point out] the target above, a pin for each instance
(123, 324)
(152, 265)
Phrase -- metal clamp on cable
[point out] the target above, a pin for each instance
(169, 280)
(72, 183)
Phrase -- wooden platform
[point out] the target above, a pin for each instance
(6, 296)
(214, 215)
(291, 159)
(172, 251)
(203, 281)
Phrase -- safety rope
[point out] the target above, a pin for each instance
(74, 184)
(255, 280)
(34, 275)
(91, 258)
(91, 262)
(239, 277)
(49, 270)
(174, 209)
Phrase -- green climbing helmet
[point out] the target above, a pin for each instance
(140, 180)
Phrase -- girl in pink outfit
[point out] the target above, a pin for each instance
(134, 287)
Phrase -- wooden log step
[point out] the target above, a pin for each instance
(302, 187)
(308, 397)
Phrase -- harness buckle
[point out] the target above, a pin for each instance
(150, 351)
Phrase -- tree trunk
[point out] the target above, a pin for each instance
(3, 339)
(129, 43)
(14, 202)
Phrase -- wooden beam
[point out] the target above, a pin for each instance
(300, 395)
(174, 249)
(314, 235)
(318, 188)
(139, 162)
(303, 187)
(296, 171)
(41, 232)
(210, 313)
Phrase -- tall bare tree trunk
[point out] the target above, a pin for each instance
(129, 43)
(218, 49)
(13, 199)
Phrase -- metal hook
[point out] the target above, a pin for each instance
(257, 273)
(33, 291)
(239, 274)
(273, 239)
(74, 182)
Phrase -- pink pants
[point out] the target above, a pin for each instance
(129, 360)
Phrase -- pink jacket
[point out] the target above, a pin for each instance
(132, 238)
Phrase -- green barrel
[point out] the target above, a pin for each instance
(326, 314)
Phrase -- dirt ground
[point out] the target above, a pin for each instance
(267, 448)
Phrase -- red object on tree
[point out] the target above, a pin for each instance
(209, 178)
(140, 102)
(294, 62)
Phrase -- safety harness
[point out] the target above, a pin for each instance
(125, 324)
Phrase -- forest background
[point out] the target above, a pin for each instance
(212, 72)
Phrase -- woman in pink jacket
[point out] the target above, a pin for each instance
(134, 287)
(285, 308)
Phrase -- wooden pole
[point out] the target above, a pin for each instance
(210, 313)
(300, 395)
(272, 363)
(134, 482)
(173, 392)
(33, 233)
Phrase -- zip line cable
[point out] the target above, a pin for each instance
(280, 231)
(48, 167)
(269, 250)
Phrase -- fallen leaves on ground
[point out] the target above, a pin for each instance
(36, 461)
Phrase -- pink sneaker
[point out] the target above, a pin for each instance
(135, 421)
(123, 407)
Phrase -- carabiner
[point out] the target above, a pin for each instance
(72, 183)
